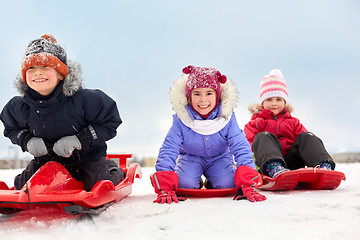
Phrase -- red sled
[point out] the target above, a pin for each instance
(206, 193)
(305, 178)
(53, 185)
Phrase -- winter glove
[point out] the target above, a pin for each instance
(36, 147)
(165, 184)
(246, 178)
(65, 146)
(249, 193)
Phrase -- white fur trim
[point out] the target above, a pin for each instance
(72, 81)
(178, 96)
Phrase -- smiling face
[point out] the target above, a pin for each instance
(275, 104)
(43, 79)
(203, 100)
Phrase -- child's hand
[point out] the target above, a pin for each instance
(65, 146)
(36, 147)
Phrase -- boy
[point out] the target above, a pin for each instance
(55, 119)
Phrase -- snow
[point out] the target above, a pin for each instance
(325, 214)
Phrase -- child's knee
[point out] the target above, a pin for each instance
(307, 135)
(189, 183)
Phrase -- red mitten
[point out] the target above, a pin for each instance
(165, 184)
(246, 178)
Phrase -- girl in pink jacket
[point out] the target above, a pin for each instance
(279, 141)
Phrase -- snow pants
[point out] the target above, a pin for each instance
(307, 150)
(219, 172)
(90, 172)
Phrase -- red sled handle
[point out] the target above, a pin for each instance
(122, 158)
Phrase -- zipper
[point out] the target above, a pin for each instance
(277, 132)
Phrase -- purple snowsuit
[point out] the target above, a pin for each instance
(195, 147)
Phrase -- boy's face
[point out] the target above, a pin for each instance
(275, 104)
(203, 100)
(43, 79)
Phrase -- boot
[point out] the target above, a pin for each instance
(275, 168)
(326, 166)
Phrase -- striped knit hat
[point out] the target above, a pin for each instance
(273, 85)
(45, 51)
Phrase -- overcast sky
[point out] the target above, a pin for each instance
(135, 50)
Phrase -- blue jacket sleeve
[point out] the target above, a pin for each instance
(170, 148)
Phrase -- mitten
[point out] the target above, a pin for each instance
(65, 146)
(165, 184)
(36, 147)
(246, 178)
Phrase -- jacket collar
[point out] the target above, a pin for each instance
(268, 114)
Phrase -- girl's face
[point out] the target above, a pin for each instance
(275, 104)
(203, 100)
(43, 79)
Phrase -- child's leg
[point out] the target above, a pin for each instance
(189, 173)
(221, 174)
(267, 149)
(308, 150)
(95, 171)
(23, 177)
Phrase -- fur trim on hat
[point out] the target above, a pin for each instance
(179, 101)
(72, 82)
(255, 108)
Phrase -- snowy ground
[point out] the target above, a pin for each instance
(327, 214)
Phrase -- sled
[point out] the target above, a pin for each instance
(53, 185)
(303, 178)
(206, 193)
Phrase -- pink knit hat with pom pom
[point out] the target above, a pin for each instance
(273, 85)
(203, 78)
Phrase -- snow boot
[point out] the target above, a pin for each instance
(113, 167)
(275, 168)
(326, 166)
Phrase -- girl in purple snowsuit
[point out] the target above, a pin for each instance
(204, 139)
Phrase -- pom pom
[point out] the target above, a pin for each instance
(276, 72)
(221, 78)
(49, 37)
(188, 69)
